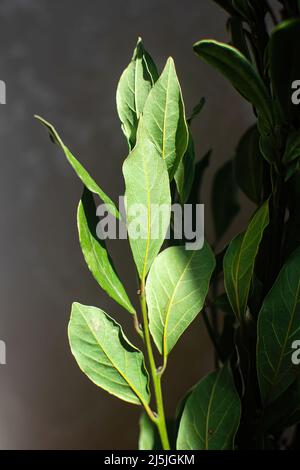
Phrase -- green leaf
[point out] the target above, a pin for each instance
(211, 415)
(185, 172)
(148, 203)
(292, 150)
(227, 5)
(239, 261)
(292, 169)
(164, 118)
(200, 168)
(196, 110)
(285, 411)
(284, 51)
(83, 175)
(242, 7)
(249, 165)
(148, 438)
(225, 204)
(238, 37)
(267, 142)
(134, 86)
(106, 356)
(253, 11)
(95, 253)
(176, 289)
(239, 71)
(278, 327)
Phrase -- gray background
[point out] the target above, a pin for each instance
(62, 59)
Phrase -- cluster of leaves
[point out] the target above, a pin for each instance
(249, 292)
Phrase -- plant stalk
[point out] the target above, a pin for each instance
(156, 377)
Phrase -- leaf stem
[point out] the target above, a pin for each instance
(156, 378)
(137, 326)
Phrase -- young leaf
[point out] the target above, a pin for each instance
(164, 118)
(95, 253)
(134, 86)
(176, 289)
(185, 172)
(239, 71)
(148, 203)
(225, 204)
(278, 327)
(211, 415)
(249, 165)
(284, 52)
(106, 356)
(83, 175)
(239, 261)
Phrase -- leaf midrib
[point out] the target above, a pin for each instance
(92, 242)
(165, 115)
(139, 396)
(168, 310)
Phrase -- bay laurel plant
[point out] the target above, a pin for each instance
(248, 291)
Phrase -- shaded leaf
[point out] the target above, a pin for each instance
(176, 289)
(285, 411)
(292, 150)
(221, 302)
(134, 86)
(148, 203)
(185, 172)
(106, 356)
(148, 437)
(239, 261)
(225, 204)
(200, 168)
(83, 175)
(250, 10)
(227, 5)
(239, 71)
(196, 110)
(238, 37)
(278, 326)
(226, 341)
(211, 415)
(164, 118)
(249, 165)
(95, 253)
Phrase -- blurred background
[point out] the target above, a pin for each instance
(62, 60)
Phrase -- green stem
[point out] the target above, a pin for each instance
(156, 378)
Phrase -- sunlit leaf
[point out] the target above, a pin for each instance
(106, 356)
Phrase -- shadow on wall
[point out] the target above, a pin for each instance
(63, 60)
